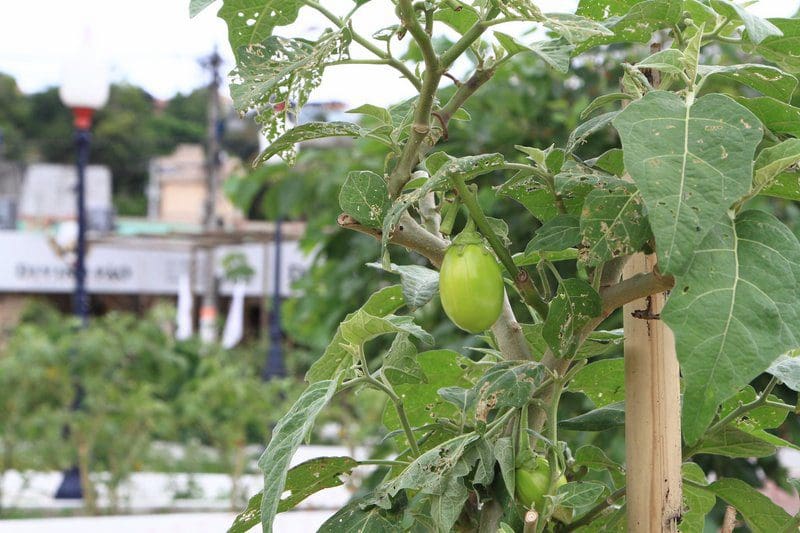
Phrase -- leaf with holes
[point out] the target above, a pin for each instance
(613, 223)
(690, 163)
(251, 21)
(602, 381)
(575, 303)
(364, 197)
(360, 516)
(557, 234)
(631, 21)
(734, 312)
(276, 77)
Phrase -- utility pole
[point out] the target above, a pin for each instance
(208, 307)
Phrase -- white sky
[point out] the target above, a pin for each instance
(154, 44)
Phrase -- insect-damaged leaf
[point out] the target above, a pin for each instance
(612, 223)
(364, 197)
(690, 163)
(574, 305)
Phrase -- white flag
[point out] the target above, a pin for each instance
(184, 318)
(234, 325)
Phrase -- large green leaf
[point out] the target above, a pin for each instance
(758, 511)
(290, 431)
(360, 517)
(555, 53)
(782, 50)
(690, 163)
(778, 117)
(251, 21)
(734, 312)
(422, 402)
(557, 234)
(767, 80)
(337, 358)
(784, 185)
(302, 481)
(575, 303)
(602, 381)
(629, 20)
(757, 28)
(698, 501)
(612, 223)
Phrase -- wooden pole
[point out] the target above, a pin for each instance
(652, 413)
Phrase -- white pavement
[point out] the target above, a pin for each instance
(292, 522)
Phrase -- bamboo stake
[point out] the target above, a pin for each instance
(652, 413)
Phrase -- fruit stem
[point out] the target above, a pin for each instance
(524, 284)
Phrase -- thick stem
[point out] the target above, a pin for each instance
(431, 218)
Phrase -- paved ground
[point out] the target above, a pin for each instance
(294, 522)
(149, 489)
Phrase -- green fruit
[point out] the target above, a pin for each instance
(471, 286)
(532, 483)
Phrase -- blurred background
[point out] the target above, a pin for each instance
(148, 347)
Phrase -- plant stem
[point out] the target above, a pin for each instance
(521, 278)
(597, 509)
(401, 412)
(383, 462)
(733, 415)
(366, 43)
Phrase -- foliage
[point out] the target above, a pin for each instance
(135, 386)
(682, 184)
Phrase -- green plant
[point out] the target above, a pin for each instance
(680, 186)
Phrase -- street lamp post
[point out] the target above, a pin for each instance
(84, 89)
(275, 367)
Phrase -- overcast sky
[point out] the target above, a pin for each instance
(154, 44)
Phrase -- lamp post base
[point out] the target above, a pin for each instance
(70, 488)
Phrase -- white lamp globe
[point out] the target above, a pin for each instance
(85, 80)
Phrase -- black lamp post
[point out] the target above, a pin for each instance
(275, 366)
(84, 89)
